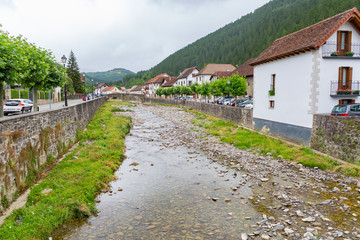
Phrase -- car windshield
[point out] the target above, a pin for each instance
(339, 109)
(12, 102)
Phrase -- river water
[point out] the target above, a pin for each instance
(165, 191)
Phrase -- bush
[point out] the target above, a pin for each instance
(47, 95)
(24, 94)
(14, 93)
(42, 95)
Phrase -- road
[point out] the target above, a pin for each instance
(46, 107)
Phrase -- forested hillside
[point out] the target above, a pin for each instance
(247, 37)
(114, 76)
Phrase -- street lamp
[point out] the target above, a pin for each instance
(84, 87)
(229, 86)
(63, 60)
(92, 88)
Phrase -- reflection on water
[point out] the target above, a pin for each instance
(165, 191)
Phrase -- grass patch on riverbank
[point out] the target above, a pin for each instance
(68, 192)
(245, 139)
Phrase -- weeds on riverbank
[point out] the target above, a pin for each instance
(245, 139)
(68, 192)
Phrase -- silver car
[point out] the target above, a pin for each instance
(17, 106)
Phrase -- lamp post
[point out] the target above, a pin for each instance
(92, 88)
(63, 60)
(84, 87)
(228, 81)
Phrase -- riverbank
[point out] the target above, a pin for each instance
(297, 201)
(68, 192)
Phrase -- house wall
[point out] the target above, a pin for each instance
(203, 78)
(190, 78)
(329, 71)
(292, 90)
(250, 85)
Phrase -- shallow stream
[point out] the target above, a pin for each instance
(168, 192)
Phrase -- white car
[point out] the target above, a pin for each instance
(17, 106)
(249, 106)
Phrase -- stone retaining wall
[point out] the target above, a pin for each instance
(337, 136)
(241, 116)
(30, 140)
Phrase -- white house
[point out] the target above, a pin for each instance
(210, 70)
(153, 84)
(99, 88)
(304, 70)
(187, 77)
(110, 90)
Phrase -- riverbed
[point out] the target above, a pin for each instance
(177, 182)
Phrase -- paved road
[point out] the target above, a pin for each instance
(46, 107)
(59, 105)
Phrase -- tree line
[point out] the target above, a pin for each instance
(26, 64)
(33, 67)
(233, 85)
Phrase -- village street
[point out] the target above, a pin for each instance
(179, 182)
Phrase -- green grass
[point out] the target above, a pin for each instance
(245, 139)
(74, 182)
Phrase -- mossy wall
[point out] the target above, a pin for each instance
(337, 136)
(30, 142)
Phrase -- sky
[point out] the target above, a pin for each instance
(108, 34)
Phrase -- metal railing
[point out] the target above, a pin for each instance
(334, 86)
(330, 49)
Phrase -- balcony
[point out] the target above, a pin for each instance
(353, 93)
(330, 50)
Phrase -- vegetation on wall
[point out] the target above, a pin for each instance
(247, 37)
(68, 191)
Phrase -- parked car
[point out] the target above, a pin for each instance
(17, 106)
(244, 103)
(346, 110)
(190, 98)
(228, 100)
(249, 106)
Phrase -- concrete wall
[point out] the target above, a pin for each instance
(337, 136)
(30, 140)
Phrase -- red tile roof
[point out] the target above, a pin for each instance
(108, 89)
(245, 69)
(158, 79)
(308, 38)
(187, 72)
(169, 82)
(211, 69)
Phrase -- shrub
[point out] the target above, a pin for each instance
(24, 94)
(14, 93)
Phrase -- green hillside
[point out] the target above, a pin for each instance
(247, 37)
(114, 76)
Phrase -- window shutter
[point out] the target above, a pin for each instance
(349, 41)
(340, 78)
(349, 82)
(338, 41)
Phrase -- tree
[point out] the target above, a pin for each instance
(159, 92)
(238, 85)
(177, 90)
(73, 71)
(185, 90)
(194, 88)
(41, 72)
(205, 90)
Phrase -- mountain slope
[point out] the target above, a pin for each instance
(249, 36)
(112, 76)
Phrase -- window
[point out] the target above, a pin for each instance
(272, 104)
(346, 101)
(272, 84)
(343, 42)
(345, 78)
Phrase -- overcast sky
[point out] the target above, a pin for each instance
(131, 34)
